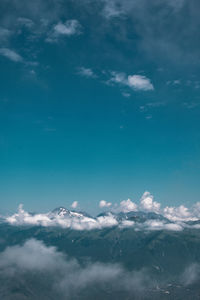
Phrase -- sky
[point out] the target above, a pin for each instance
(100, 100)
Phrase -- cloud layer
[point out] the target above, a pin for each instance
(147, 215)
(52, 272)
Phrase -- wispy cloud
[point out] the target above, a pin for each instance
(86, 72)
(112, 9)
(25, 22)
(4, 34)
(11, 54)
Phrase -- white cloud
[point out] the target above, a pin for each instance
(103, 203)
(64, 276)
(86, 72)
(175, 218)
(180, 213)
(147, 203)
(159, 225)
(127, 205)
(126, 223)
(191, 274)
(140, 83)
(112, 9)
(135, 82)
(69, 28)
(117, 77)
(74, 204)
(33, 255)
(75, 221)
(10, 54)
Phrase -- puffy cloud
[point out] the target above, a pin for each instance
(169, 218)
(127, 205)
(10, 54)
(180, 213)
(139, 82)
(65, 277)
(103, 204)
(126, 223)
(147, 203)
(74, 204)
(73, 220)
(78, 221)
(69, 28)
(33, 255)
(159, 225)
(135, 82)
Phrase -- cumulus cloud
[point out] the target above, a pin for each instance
(65, 219)
(148, 204)
(78, 221)
(74, 204)
(104, 203)
(10, 54)
(182, 213)
(127, 206)
(135, 82)
(139, 82)
(147, 215)
(69, 28)
(66, 277)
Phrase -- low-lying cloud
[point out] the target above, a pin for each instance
(147, 215)
(65, 276)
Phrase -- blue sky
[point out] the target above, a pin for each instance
(99, 100)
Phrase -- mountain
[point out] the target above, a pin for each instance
(141, 216)
(165, 263)
(64, 212)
